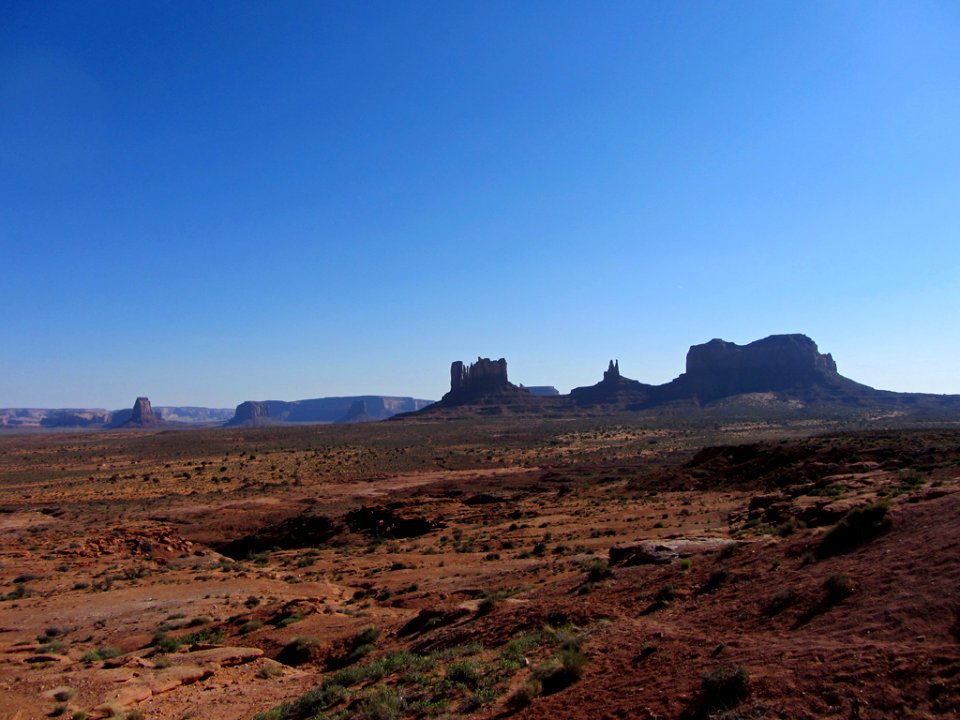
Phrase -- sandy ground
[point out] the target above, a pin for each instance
(484, 551)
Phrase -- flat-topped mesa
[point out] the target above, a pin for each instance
(779, 362)
(250, 412)
(142, 413)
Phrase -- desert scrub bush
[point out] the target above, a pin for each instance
(249, 626)
(53, 646)
(715, 580)
(838, 587)
(686, 564)
(63, 694)
(207, 635)
(18, 593)
(779, 601)
(166, 643)
(513, 655)
(268, 672)
(464, 672)
(367, 636)
(563, 669)
(287, 620)
(857, 527)
(525, 694)
(724, 688)
(597, 569)
(664, 595)
(299, 651)
(380, 703)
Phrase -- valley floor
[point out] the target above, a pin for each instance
(587, 568)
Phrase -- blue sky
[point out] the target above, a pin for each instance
(213, 202)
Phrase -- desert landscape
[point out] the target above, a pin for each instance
(343, 360)
(625, 566)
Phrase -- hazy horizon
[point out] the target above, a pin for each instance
(211, 203)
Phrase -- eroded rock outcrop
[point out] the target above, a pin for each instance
(483, 376)
(142, 413)
(483, 379)
(614, 389)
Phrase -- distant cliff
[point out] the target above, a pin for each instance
(323, 410)
(97, 418)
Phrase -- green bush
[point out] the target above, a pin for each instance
(367, 636)
(166, 643)
(563, 669)
(380, 704)
(597, 570)
(250, 626)
(464, 672)
(857, 527)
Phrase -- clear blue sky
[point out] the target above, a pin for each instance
(208, 202)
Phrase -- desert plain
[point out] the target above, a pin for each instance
(617, 567)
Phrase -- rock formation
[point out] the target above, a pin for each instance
(251, 412)
(614, 389)
(482, 377)
(485, 382)
(142, 413)
(357, 413)
(780, 362)
(323, 410)
(612, 373)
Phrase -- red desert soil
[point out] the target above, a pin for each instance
(483, 568)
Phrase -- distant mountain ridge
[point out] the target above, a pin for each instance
(359, 408)
(354, 408)
(100, 418)
(779, 373)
